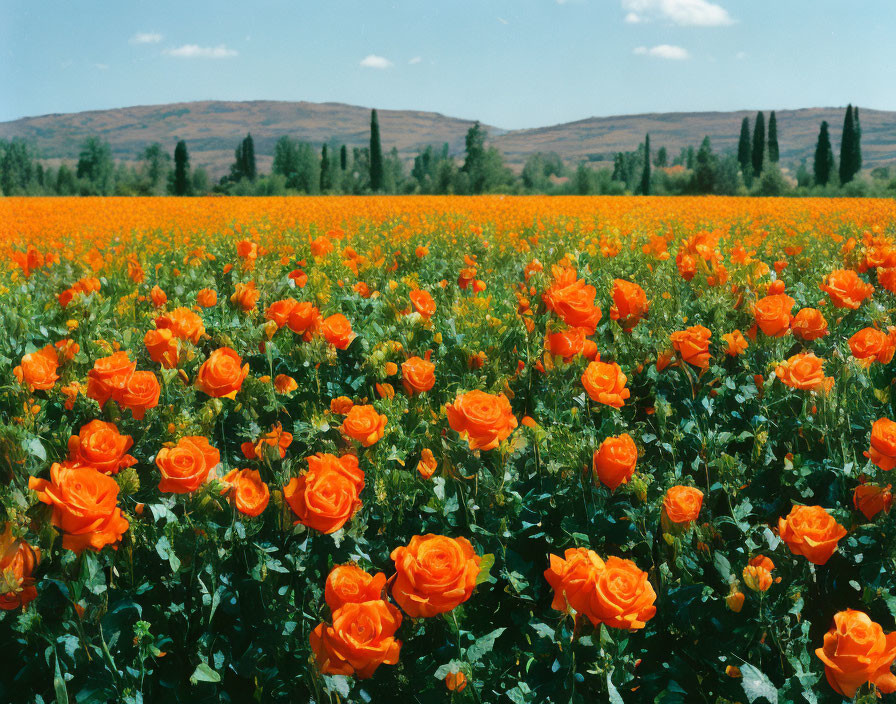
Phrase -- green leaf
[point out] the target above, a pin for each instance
(485, 565)
(483, 645)
(36, 448)
(59, 685)
(615, 697)
(757, 685)
(204, 673)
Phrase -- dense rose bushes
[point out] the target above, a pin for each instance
(487, 449)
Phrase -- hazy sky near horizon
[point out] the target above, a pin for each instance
(509, 63)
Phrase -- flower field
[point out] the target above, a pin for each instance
(476, 449)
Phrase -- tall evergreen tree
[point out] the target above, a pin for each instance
(848, 148)
(181, 169)
(758, 144)
(824, 156)
(376, 154)
(858, 128)
(645, 174)
(326, 178)
(745, 151)
(343, 158)
(773, 153)
(249, 158)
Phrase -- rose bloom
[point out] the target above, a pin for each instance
(109, 376)
(622, 596)
(279, 311)
(284, 384)
(681, 505)
(67, 349)
(162, 347)
(737, 343)
(846, 289)
(276, 438)
(100, 445)
(37, 370)
(328, 494)
(484, 420)
(456, 681)
(629, 304)
(573, 578)
(139, 394)
(321, 246)
(812, 532)
(423, 303)
(341, 405)
(337, 330)
(17, 563)
(183, 323)
(434, 574)
(883, 444)
(809, 324)
(693, 345)
(245, 489)
(772, 314)
(803, 371)
(158, 296)
(427, 464)
(869, 345)
(856, 651)
(85, 506)
(349, 584)
(207, 297)
(418, 375)
(762, 561)
(615, 460)
(364, 424)
(304, 319)
(757, 578)
(245, 296)
(186, 466)
(359, 641)
(687, 265)
(572, 300)
(569, 343)
(871, 500)
(605, 383)
(221, 374)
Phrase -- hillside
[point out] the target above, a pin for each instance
(213, 128)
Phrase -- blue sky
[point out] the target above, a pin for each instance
(510, 63)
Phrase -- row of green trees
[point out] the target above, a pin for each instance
(299, 167)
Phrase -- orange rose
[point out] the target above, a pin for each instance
(38, 369)
(629, 303)
(284, 384)
(183, 323)
(328, 494)
(207, 297)
(622, 596)
(737, 343)
(245, 296)
(693, 345)
(681, 506)
(846, 289)
(869, 344)
(321, 246)
(100, 445)
(17, 563)
(248, 493)
(803, 371)
(341, 405)
(162, 347)
(349, 584)
(427, 464)
(812, 532)
(434, 574)
(221, 374)
(303, 319)
(809, 324)
(871, 500)
(279, 311)
(364, 424)
(418, 375)
(757, 578)
(109, 376)
(139, 394)
(735, 601)
(883, 444)
(856, 651)
(456, 681)
(605, 383)
(186, 466)
(423, 303)
(484, 420)
(569, 343)
(359, 641)
(772, 314)
(337, 330)
(573, 578)
(158, 296)
(85, 506)
(615, 460)
(572, 300)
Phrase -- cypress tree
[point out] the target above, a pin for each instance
(848, 148)
(824, 156)
(343, 158)
(376, 154)
(745, 151)
(249, 158)
(858, 129)
(645, 174)
(758, 144)
(326, 180)
(181, 169)
(773, 153)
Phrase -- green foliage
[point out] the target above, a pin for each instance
(377, 172)
(182, 182)
(758, 156)
(824, 157)
(773, 152)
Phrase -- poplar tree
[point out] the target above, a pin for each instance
(848, 148)
(773, 153)
(745, 151)
(181, 169)
(645, 174)
(824, 157)
(343, 157)
(326, 179)
(758, 144)
(376, 154)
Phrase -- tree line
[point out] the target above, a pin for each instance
(300, 167)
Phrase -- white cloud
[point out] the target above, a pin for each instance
(374, 61)
(687, 13)
(146, 38)
(416, 60)
(194, 51)
(664, 51)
